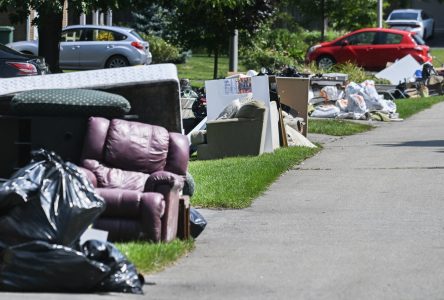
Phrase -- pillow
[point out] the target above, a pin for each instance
(69, 102)
(230, 110)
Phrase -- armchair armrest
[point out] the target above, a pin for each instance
(89, 175)
(170, 186)
(160, 178)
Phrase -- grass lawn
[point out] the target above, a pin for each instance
(200, 68)
(149, 257)
(438, 57)
(337, 127)
(408, 107)
(235, 182)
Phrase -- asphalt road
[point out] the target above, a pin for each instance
(363, 219)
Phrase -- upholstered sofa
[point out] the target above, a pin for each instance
(139, 170)
(244, 134)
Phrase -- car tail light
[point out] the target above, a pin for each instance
(138, 45)
(23, 68)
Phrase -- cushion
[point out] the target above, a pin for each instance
(251, 110)
(230, 110)
(115, 178)
(135, 146)
(198, 137)
(69, 102)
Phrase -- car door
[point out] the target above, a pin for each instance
(388, 47)
(69, 48)
(96, 47)
(358, 48)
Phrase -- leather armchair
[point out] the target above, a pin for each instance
(139, 170)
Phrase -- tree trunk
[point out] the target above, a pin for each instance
(323, 20)
(216, 62)
(49, 38)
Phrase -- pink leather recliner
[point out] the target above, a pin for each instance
(139, 170)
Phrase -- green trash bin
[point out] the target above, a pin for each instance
(6, 34)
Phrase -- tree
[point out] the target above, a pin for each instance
(155, 20)
(50, 16)
(209, 23)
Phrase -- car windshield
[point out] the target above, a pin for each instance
(404, 16)
(418, 39)
(133, 32)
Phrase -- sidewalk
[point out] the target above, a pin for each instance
(364, 219)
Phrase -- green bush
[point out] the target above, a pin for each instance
(275, 48)
(270, 58)
(162, 51)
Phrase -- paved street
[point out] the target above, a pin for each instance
(363, 219)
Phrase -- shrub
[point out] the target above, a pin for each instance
(274, 48)
(270, 58)
(162, 51)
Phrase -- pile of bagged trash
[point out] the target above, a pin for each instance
(45, 208)
(356, 101)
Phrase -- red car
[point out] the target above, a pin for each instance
(370, 48)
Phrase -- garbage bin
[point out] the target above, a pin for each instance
(6, 34)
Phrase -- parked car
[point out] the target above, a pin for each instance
(370, 48)
(414, 20)
(86, 47)
(13, 63)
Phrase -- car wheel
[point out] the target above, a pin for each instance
(117, 61)
(424, 35)
(325, 62)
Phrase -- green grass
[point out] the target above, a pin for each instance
(200, 68)
(337, 127)
(150, 257)
(438, 57)
(235, 182)
(411, 106)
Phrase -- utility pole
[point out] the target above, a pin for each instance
(233, 51)
(380, 13)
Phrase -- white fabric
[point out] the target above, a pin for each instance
(325, 111)
(295, 138)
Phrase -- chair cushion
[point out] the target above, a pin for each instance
(251, 110)
(69, 102)
(135, 146)
(114, 177)
(230, 110)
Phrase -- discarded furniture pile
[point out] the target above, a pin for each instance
(250, 115)
(110, 163)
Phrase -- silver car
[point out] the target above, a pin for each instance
(86, 47)
(414, 20)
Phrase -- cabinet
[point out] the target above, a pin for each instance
(20, 135)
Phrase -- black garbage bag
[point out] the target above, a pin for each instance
(123, 276)
(42, 267)
(197, 223)
(48, 200)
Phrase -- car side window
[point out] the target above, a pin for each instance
(103, 35)
(424, 16)
(363, 38)
(119, 36)
(71, 35)
(388, 38)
